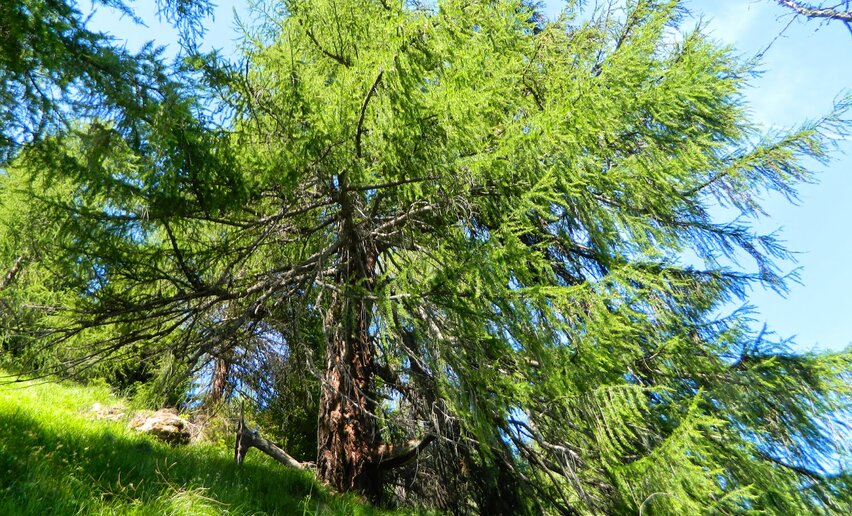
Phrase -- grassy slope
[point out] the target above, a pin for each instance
(55, 460)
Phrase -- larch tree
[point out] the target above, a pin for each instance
(471, 226)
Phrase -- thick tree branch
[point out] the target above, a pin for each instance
(396, 456)
(360, 129)
(811, 11)
(340, 59)
(190, 275)
(13, 272)
(390, 184)
(247, 438)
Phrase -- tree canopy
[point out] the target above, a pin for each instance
(466, 236)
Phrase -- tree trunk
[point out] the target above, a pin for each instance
(347, 436)
(219, 382)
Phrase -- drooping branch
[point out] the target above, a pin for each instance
(811, 11)
(814, 475)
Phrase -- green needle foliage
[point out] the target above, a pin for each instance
(469, 227)
(54, 69)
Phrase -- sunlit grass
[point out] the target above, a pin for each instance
(55, 459)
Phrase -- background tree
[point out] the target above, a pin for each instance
(470, 225)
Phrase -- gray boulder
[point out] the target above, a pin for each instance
(163, 424)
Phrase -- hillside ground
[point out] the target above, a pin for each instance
(56, 459)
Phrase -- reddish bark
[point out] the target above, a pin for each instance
(219, 382)
(347, 436)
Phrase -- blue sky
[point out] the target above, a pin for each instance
(804, 71)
